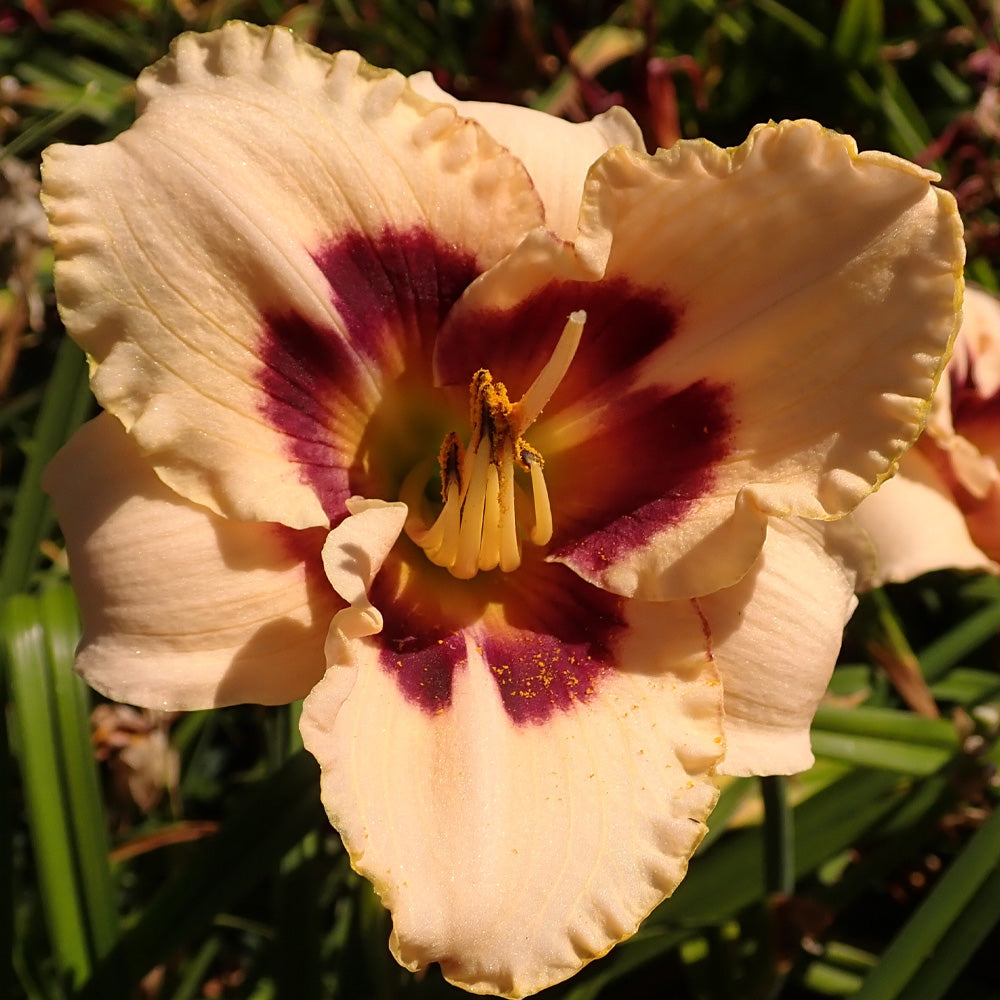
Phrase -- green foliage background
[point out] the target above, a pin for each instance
(876, 875)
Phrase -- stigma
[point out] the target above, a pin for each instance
(484, 506)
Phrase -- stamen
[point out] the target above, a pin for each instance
(489, 548)
(470, 534)
(477, 526)
(541, 530)
(510, 550)
(440, 540)
(442, 546)
(525, 411)
(411, 493)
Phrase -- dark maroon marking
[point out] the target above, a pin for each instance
(306, 375)
(421, 641)
(959, 371)
(651, 459)
(970, 409)
(397, 286)
(706, 630)
(558, 644)
(625, 323)
(423, 669)
(653, 455)
(407, 279)
(545, 634)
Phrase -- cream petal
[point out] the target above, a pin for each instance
(183, 609)
(764, 328)
(352, 556)
(556, 153)
(775, 639)
(271, 242)
(513, 845)
(916, 526)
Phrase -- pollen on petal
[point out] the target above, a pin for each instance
(550, 643)
(547, 637)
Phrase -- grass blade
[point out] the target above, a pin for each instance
(280, 811)
(890, 755)
(964, 936)
(64, 407)
(44, 787)
(937, 915)
(58, 613)
(730, 876)
(887, 724)
(943, 654)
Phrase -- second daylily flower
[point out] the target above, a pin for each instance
(942, 509)
(511, 447)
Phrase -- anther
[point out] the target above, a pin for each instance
(477, 526)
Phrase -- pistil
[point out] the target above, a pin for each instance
(477, 527)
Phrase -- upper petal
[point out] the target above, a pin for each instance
(181, 608)
(263, 252)
(557, 153)
(523, 777)
(765, 327)
(775, 640)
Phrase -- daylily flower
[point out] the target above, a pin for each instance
(942, 508)
(509, 446)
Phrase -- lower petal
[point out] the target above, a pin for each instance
(776, 636)
(516, 825)
(183, 609)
